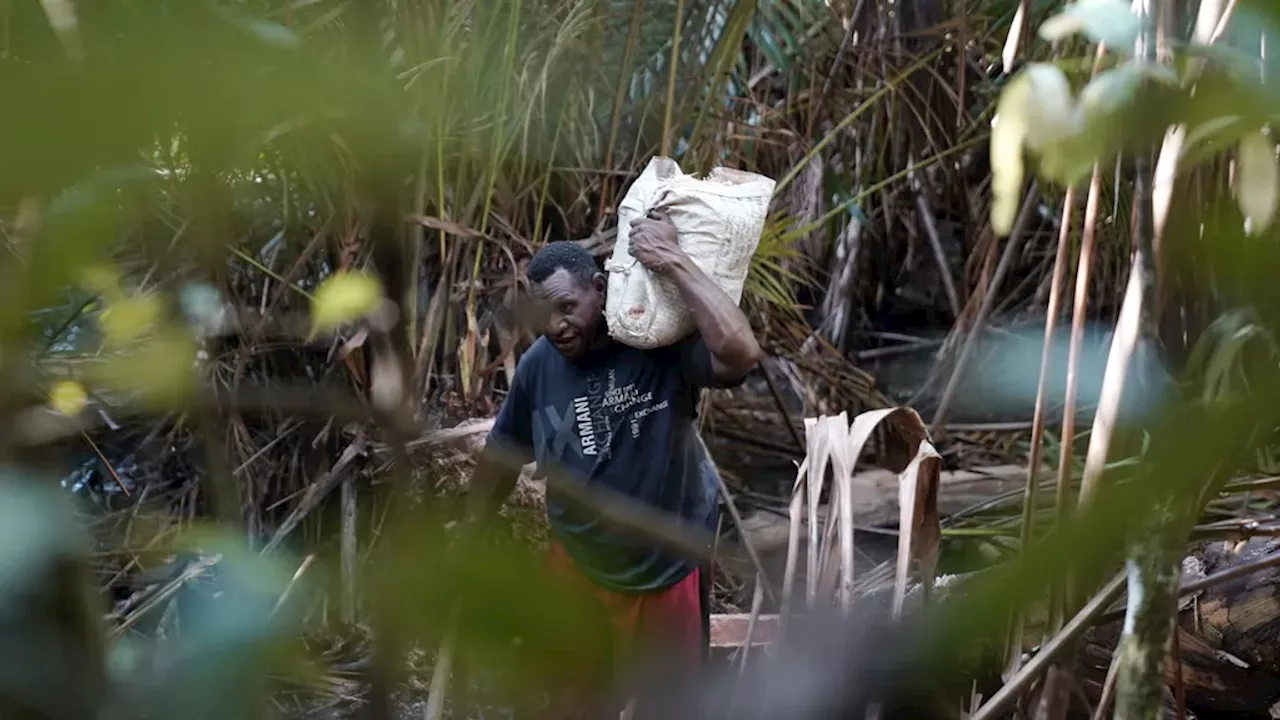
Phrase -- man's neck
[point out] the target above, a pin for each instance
(600, 346)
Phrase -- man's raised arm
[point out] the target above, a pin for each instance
(506, 451)
(495, 476)
(723, 326)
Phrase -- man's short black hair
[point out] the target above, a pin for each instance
(561, 254)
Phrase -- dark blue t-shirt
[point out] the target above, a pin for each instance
(624, 419)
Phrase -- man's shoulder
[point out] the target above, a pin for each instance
(665, 356)
(531, 367)
(535, 357)
(674, 352)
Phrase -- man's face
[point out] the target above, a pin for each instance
(568, 311)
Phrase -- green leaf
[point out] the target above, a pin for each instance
(1158, 72)
(1256, 182)
(50, 611)
(127, 319)
(101, 279)
(1211, 138)
(1070, 162)
(1050, 111)
(160, 372)
(68, 397)
(344, 297)
(1035, 111)
(1110, 91)
(62, 17)
(36, 527)
(270, 33)
(1109, 22)
(1008, 135)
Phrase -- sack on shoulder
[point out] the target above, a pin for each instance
(718, 222)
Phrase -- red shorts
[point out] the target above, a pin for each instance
(670, 622)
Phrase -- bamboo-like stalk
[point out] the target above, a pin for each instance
(1108, 691)
(1154, 564)
(546, 185)
(349, 552)
(1055, 695)
(1018, 28)
(846, 41)
(496, 151)
(1122, 348)
(1179, 683)
(1014, 652)
(443, 668)
(1012, 245)
(1013, 658)
(417, 240)
(1129, 324)
(1016, 685)
(619, 97)
(842, 463)
(757, 602)
(796, 517)
(887, 87)
(673, 65)
(1084, 265)
(818, 454)
(927, 219)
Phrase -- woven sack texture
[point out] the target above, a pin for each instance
(718, 222)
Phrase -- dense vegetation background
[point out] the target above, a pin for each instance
(263, 257)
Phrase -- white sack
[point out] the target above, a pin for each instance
(718, 220)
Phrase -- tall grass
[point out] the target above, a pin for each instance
(156, 157)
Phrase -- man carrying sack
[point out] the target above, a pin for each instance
(623, 419)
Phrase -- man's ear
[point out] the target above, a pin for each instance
(600, 281)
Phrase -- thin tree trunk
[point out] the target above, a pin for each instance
(349, 551)
(1154, 568)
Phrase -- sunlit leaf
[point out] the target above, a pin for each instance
(1090, 134)
(62, 16)
(129, 318)
(102, 279)
(160, 372)
(1035, 110)
(344, 297)
(1235, 59)
(269, 32)
(1156, 71)
(1256, 181)
(1008, 134)
(1070, 161)
(1214, 135)
(68, 397)
(1051, 114)
(1110, 91)
(1109, 22)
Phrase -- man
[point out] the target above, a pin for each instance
(623, 419)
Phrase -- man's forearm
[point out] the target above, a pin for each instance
(722, 324)
(493, 480)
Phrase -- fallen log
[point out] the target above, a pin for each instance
(729, 630)
(1228, 636)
